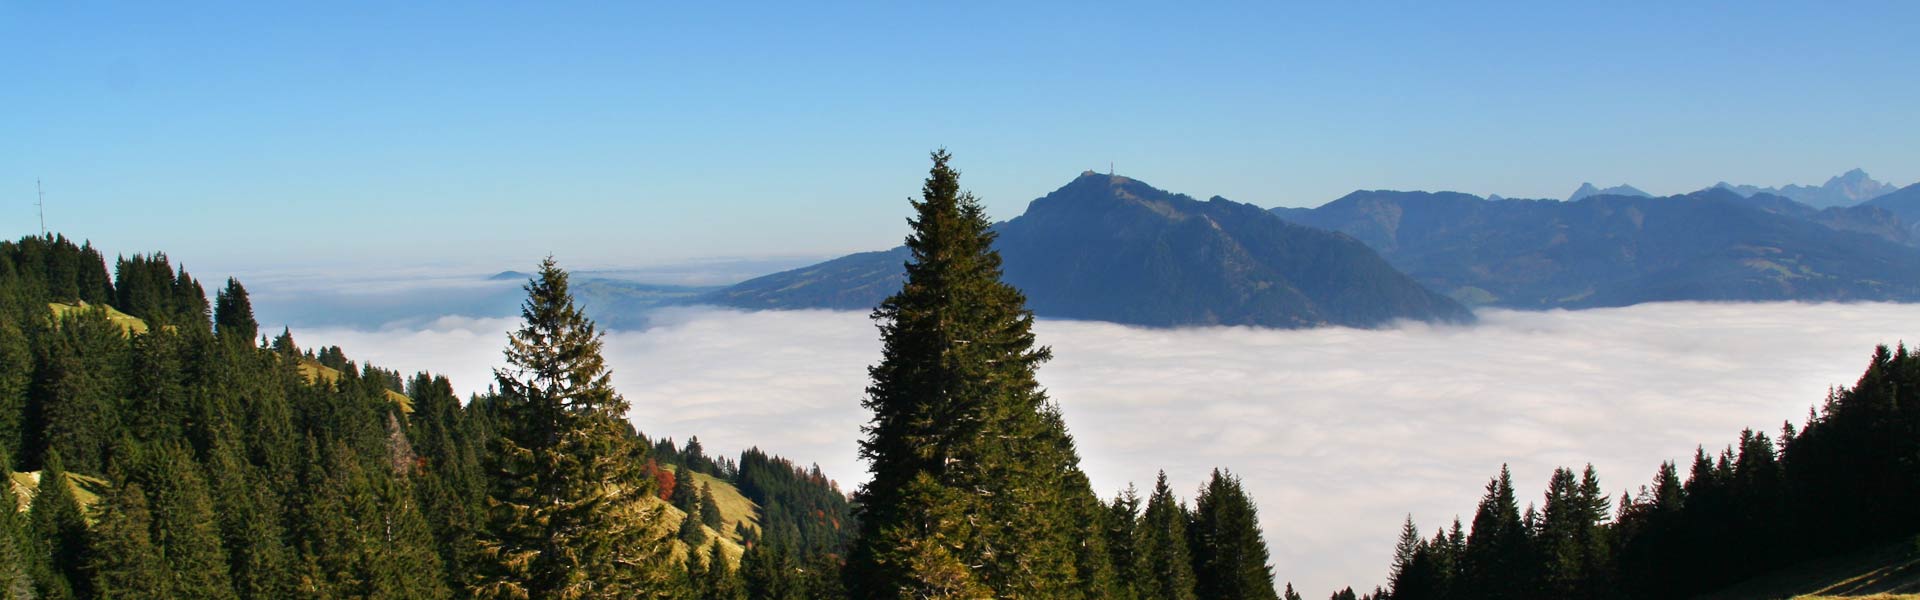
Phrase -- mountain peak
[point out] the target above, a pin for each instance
(1588, 189)
(1846, 189)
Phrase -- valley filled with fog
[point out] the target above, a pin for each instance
(1339, 433)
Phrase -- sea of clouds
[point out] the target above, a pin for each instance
(1338, 433)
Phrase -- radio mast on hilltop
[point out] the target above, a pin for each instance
(40, 203)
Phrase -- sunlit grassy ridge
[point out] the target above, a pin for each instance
(316, 372)
(86, 489)
(130, 324)
(734, 508)
(1883, 573)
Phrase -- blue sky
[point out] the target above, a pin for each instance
(256, 135)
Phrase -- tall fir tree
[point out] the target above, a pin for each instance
(975, 485)
(184, 526)
(60, 535)
(1123, 520)
(16, 552)
(125, 562)
(1165, 567)
(569, 513)
(1498, 557)
(1229, 554)
(233, 313)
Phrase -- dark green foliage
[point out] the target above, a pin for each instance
(16, 382)
(975, 485)
(17, 546)
(125, 561)
(568, 512)
(797, 500)
(249, 519)
(718, 580)
(771, 569)
(686, 494)
(204, 443)
(78, 383)
(1165, 566)
(1498, 562)
(233, 313)
(690, 531)
(184, 526)
(709, 510)
(40, 269)
(447, 480)
(60, 535)
(1122, 533)
(150, 288)
(1849, 479)
(1229, 554)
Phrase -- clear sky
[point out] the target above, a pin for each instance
(257, 134)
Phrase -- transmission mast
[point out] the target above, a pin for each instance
(41, 203)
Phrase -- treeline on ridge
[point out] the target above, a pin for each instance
(1848, 479)
(160, 447)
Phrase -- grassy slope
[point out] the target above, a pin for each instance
(314, 371)
(1887, 572)
(86, 489)
(130, 323)
(734, 508)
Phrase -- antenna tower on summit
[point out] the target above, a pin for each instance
(40, 202)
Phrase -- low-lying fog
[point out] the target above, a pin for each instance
(1338, 433)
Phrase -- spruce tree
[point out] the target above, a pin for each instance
(184, 525)
(1165, 568)
(975, 485)
(569, 511)
(1230, 556)
(709, 509)
(1123, 519)
(1498, 558)
(16, 379)
(721, 581)
(16, 551)
(686, 491)
(233, 313)
(1403, 555)
(60, 533)
(125, 562)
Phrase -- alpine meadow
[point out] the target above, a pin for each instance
(1244, 301)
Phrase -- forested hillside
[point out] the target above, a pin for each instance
(1845, 481)
(162, 448)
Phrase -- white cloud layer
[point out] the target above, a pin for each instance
(1338, 433)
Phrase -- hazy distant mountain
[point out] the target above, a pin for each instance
(1587, 189)
(1612, 250)
(1846, 189)
(1114, 249)
(1903, 203)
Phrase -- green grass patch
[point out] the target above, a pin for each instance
(316, 372)
(86, 490)
(129, 324)
(734, 509)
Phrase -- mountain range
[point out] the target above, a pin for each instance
(1616, 250)
(1846, 189)
(1112, 248)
